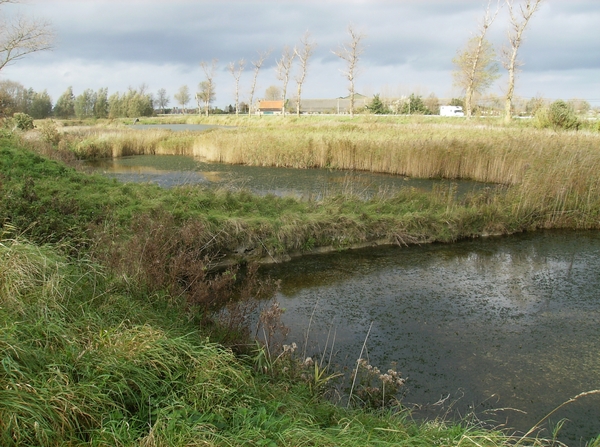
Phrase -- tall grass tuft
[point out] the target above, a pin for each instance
(70, 375)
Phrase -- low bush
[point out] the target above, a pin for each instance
(559, 115)
(49, 131)
(23, 121)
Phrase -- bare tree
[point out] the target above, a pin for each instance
(351, 53)
(162, 99)
(257, 64)
(284, 67)
(183, 96)
(205, 95)
(272, 93)
(207, 87)
(236, 72)
(476, 69)
(518, 22)
(303, 54)
(23, 36)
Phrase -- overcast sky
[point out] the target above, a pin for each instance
(409, 45)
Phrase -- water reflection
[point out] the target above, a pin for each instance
(497, 323)
(178, 127)
(172, 170)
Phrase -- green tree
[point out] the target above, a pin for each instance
(414, 106)
(534, 104)
(139, 103)
(116, 106)
(84, 104)
(41, 105)
(101, 104)
(14, 98)
(65, 105)
(433, 104)
(457, 102)
(132, 104)
(377, 106)
(559, 115)
(162, 100)
(183, 96)
(207, 88)
(579, 106)
(206, 95)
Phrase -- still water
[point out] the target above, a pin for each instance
(173, 170)
(485, 324)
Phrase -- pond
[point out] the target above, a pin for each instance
(173, 170)
(500, 323)
(177, 127)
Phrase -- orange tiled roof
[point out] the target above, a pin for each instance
(271, 105)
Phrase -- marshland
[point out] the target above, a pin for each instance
(152, 289)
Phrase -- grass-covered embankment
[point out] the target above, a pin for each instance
(51, 202)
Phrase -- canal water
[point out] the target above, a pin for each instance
(173, 170)
(504, 328)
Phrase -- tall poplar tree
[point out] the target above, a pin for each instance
(476, 67)
(519, 18)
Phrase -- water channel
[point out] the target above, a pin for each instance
(174, 170)
(483, 324)
(505, 328)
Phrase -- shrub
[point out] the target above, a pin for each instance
(559, 115)
(91, 149)
(50, 133)
(23, 121)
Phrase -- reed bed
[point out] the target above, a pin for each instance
(107, 142)
(426, 150)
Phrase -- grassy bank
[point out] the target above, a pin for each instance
(551, 182)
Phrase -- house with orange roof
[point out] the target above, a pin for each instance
(270, 107)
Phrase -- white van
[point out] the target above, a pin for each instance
(451, 111)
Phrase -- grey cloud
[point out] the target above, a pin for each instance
(423, 35)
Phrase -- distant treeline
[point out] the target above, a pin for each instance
(15, 98)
